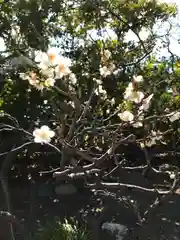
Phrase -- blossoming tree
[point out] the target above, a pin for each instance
(94, 96)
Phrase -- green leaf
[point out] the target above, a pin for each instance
(1, 102)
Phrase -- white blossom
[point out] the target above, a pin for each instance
(107, 54)
(146, 103)
(62, 69)
(43, 134)
(134, 96)
(49, 82)
(33, 80)
(138, 78)
(126, 116)
(39, 86)
(53, 65)
(130, 87)
(47, 72)
(111, 67)
(105, 71)
(137, 97)
(117, 71)
(139, 121)
(128, 90)
(47, 60)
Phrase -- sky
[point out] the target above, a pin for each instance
(175, 32)
(159, 29)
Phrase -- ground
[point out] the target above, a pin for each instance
(33, 209)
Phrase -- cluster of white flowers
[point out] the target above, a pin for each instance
(54, 66)
(51, 67)
(133, 95)
(33, 79)
(109, 67)
(107, 54)
(107, 70)
(49, 82)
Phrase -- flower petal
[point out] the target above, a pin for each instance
(36, 132)
(45, 128)
(37, 140)
(51, 133)
(126, 116)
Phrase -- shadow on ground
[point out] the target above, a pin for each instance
(95, 208)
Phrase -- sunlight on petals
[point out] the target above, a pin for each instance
(43, 134)
(126, 116)
(138, 78)
(49, 82)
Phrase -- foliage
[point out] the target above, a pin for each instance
(55, 230)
